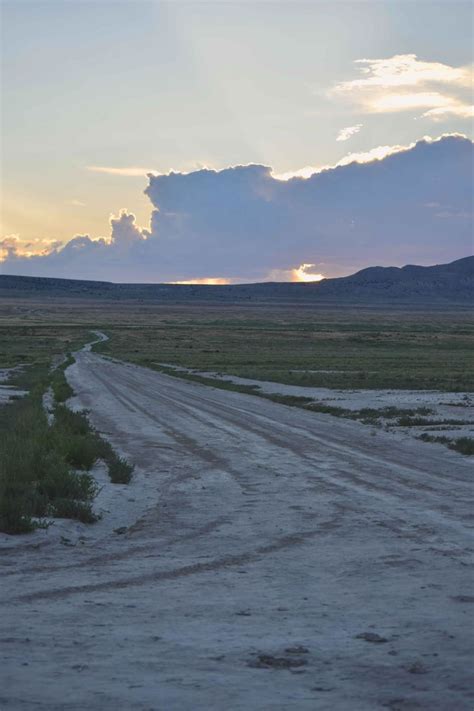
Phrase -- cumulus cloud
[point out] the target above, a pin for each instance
(405, 83)
(244, 224)
(377, 153)
(346, 133)
(13, 247)
(9, 246)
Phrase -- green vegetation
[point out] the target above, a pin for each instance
(371, 416)
(62, 391)
(120, 471)
(463, 445)
(309, 345)
(44, 468)
(408, 421)
(34, 344)
(367, 415)
(303, 346)
(36, 479)
(83, 446)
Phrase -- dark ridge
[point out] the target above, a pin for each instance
(453, 282)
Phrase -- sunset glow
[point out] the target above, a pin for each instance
(270, 142)
(12, 245)
(211, 281)
(311, 162)
(302, 273)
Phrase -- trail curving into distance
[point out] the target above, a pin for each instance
(252, 529)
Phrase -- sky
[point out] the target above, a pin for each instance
(102, 101)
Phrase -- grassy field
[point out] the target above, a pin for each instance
(310, 346)
(38, 344)
(299, 345)
(334, 349)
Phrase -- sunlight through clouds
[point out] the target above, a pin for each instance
(405, 83)
(242, 223)
(376, 153)
(12, 246)
(128, 172)
(211, 281)
(303, 273)
(404, 70)
(438, 104)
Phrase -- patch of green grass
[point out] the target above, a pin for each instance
(463, 445)
(36, 344)
(44, 469)
(291, 400)
(330, 410)
(83, 446)
(79, 510)
(35, 476)
(61, 391)
(120, 470)
(408, 421)
(75, 440)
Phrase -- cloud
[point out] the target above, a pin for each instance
(128, 172)
(244, 224)
(346, 133)
(9, 246)
(450, 108)
(13, 247)
(405, 83)
(439, 105)
(377, 153)
(305, 272)
(405, 70)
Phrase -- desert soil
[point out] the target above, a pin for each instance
(263, 557)
(445, 407)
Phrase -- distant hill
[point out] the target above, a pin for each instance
(452, 282)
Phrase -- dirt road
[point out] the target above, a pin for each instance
(273, 559)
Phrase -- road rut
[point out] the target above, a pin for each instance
(252, 530)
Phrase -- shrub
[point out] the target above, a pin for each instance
(75, 422)
(120, 471)
(80, 510)
(62, 390)
(463, 445)
(39, 463)
(36, 465)
(79, 451)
